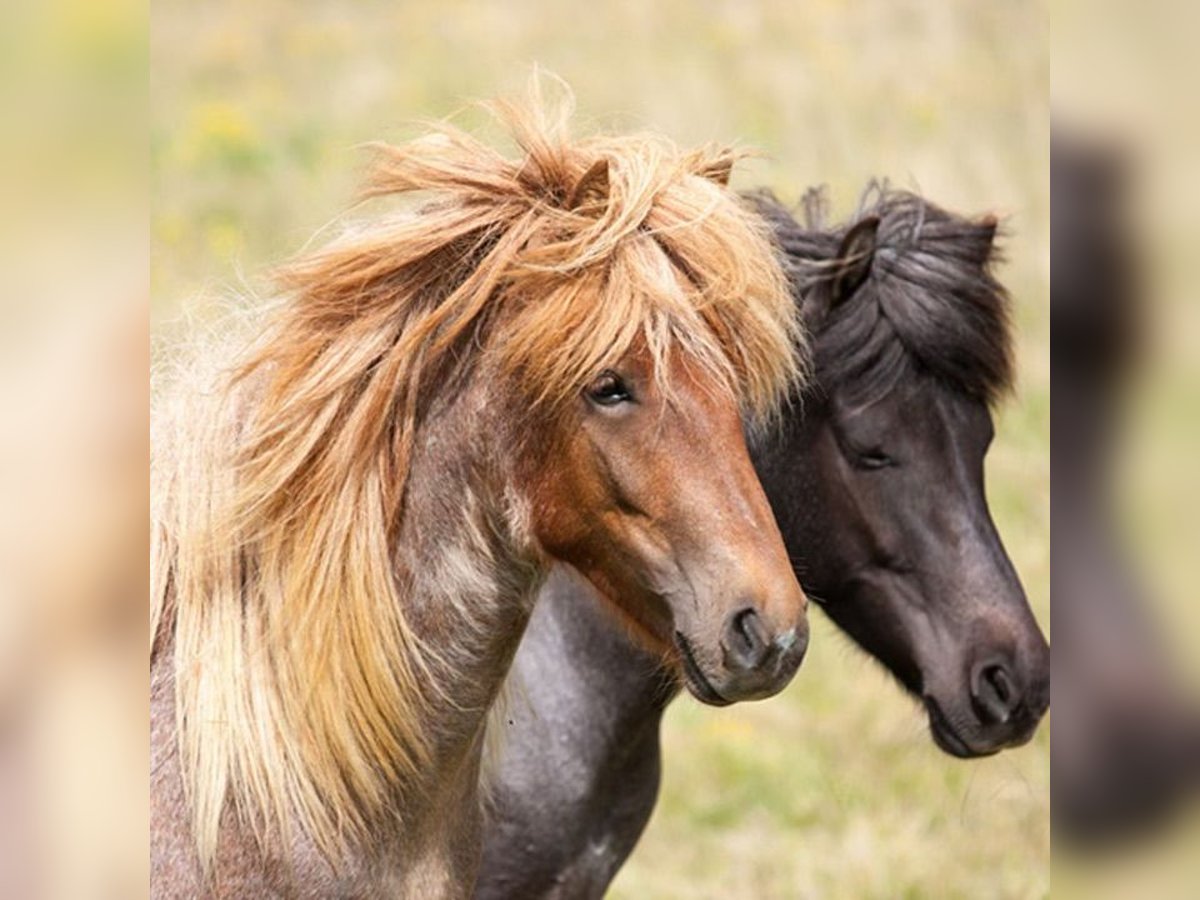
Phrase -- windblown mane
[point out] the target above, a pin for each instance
(279, 485)
(930, 302)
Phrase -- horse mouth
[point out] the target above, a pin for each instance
(697, 684)
(946, 736)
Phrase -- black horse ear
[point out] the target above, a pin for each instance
(989, 224)
(855, 256)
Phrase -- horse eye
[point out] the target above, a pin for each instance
(873, 459)
(608, 390)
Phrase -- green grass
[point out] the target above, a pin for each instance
(833, 789)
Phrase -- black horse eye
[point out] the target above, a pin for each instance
(608, 390)
(873, 459)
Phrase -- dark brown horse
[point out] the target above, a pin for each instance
(352, 523)
(876, 479)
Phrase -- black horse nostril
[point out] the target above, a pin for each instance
(746, 644)
(994, 693)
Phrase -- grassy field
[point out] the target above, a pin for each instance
(833, 789)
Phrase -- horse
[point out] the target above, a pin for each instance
(532, 363)
(876, 480)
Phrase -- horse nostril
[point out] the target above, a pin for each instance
(994, 693)
(745, 644)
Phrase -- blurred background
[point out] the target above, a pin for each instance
(1126, 186)
(74, 449)
(833, 789)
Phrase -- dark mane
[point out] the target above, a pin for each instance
(930, 302)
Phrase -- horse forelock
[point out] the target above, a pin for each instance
(931, 302)
(301, 687)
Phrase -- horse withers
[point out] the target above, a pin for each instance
(535, 365)
(876, 479)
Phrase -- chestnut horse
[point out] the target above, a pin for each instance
(536, 365)
(876, 479)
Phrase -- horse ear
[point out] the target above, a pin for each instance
(991, 224)
(592, 188)
(718, 171)
(855, 256)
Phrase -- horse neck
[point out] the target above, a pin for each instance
(470, 570)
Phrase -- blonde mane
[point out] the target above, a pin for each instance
(279, 487)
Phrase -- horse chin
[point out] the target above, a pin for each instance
(694, 679)
(949, 739)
